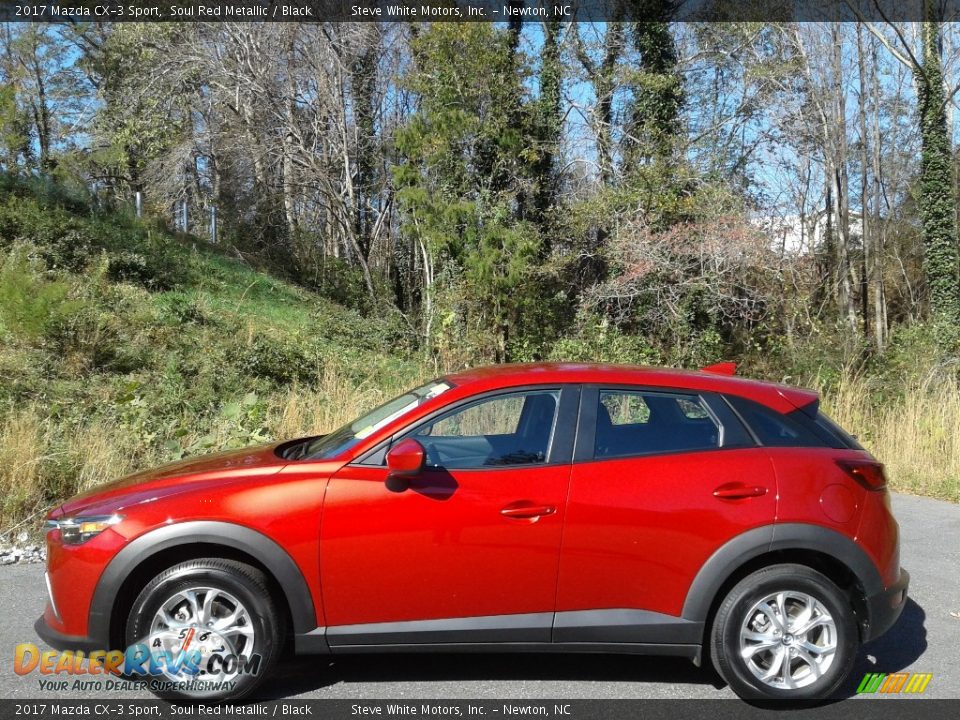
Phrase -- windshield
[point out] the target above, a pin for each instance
(346, 437)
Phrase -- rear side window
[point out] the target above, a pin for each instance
(633, 422)
(775, 429)
(831, 430)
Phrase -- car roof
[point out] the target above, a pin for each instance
(783, 398)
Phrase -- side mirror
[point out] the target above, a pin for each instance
(404, 461)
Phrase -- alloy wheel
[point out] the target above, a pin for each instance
(788, 640)
(215, 621)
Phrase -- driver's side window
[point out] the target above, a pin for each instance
(508, 429)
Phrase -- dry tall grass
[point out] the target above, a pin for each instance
(917, 436)
(99, 453)
(22, 456)
(41, 463)
(332, 402)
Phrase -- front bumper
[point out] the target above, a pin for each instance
(60, 641)
(885, 607)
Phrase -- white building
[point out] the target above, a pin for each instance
(798, 236)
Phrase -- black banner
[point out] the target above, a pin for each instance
(477, 10)
(860, 709)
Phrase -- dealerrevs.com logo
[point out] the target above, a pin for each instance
(193, 660)
(892, 683)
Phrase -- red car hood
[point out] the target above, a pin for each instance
(229, 465)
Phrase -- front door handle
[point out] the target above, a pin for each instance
(739, 491)
(527, 511)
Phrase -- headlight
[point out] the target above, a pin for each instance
(74, 531)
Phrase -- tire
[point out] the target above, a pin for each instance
(229, 609)
(749, 641)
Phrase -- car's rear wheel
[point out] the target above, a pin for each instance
(785, 632)
(214, 627)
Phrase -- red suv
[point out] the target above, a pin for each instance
(548, 507)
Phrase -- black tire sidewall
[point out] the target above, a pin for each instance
(726, 635)
(268, 637)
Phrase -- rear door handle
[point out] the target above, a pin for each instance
(526, 511)
(739, 491)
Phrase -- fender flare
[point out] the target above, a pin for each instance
(788, 536)
(236, 537)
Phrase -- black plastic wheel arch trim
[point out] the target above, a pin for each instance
(207, 532)
(769, 538)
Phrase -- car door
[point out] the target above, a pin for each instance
(469, 551)
(661, 479)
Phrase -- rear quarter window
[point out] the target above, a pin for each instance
(828, 427)
(774, 429)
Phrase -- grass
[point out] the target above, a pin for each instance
(41, 465)
(124, 347)
(22, 457)
(916, 435)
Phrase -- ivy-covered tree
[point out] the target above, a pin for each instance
(938, 205)
(548, 121)
(937, 201)
(654, 115)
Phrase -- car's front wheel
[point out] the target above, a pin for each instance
(785, 632)
(210, 627)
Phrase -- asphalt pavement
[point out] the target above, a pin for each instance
(925, 639)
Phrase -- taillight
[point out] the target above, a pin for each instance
(868, 473)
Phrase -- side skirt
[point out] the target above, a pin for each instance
(692, 652)
(638, 632)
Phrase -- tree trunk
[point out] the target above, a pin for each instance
(41, 112)
(877, 224)
(363, 84)
(658, 98)
(866, 227)
(841, 188)
(937, 204)
(603, 79)
(549, 126)
(290, 106)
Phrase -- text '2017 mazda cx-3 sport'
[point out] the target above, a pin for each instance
(547, 507)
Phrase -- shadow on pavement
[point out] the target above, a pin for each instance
(304, 674)
(899, 648)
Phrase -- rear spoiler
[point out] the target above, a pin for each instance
(805, 401)
(721, 368)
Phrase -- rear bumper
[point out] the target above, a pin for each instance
(885, 607)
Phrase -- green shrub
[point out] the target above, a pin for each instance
(597, 341)
(341, 282)
(386, 333)
(68, 241)
(30, 304)
(180, 308)
(140, 255)
(57, 238)
(94, 338)
(278, 361)
(915, 355)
